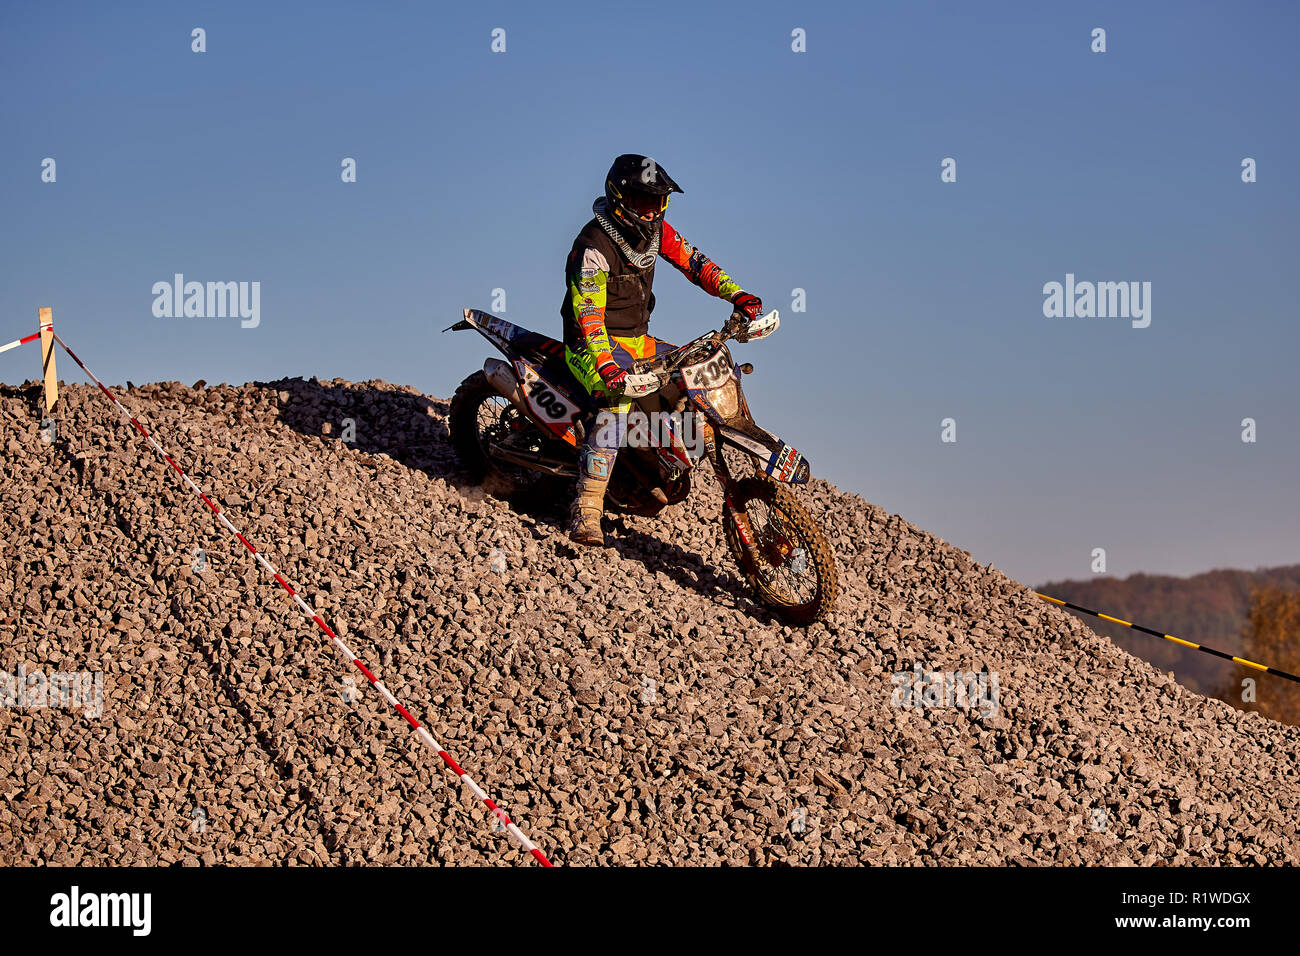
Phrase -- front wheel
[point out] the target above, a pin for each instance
(790, 566)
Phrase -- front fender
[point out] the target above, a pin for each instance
(780, 461)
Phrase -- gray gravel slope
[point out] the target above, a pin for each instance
(627, 706)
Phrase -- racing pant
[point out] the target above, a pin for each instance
(607, 434)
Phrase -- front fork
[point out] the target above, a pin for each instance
(731, 513)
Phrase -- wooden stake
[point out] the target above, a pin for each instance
(47, 359)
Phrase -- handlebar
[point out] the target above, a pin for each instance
(669, 361)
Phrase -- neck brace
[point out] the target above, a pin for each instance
(642, 260)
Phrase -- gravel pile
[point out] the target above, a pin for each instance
(630, 706)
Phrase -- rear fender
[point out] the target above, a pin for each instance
(493, 328)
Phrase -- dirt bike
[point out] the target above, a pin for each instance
(529, 416)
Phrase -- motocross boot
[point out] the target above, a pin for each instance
(589, 502)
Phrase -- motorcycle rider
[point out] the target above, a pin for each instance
(607, 304)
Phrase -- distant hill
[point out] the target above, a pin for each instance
(1207, 608)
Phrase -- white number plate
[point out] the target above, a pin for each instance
(544, 402)
(712, 372)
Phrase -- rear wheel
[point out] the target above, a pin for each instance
(480, 417)
(792, 568)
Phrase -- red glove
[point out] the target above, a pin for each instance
(615, 378)
(750, 305)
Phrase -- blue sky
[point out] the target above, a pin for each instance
(815, 170)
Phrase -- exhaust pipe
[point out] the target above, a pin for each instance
(502, 378)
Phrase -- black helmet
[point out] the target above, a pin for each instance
(637, 187)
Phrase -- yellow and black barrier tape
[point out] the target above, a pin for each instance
(1169, 637)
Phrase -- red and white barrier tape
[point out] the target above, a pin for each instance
(25, 339)
(420, 730)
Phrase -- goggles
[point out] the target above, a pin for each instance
(645, 204)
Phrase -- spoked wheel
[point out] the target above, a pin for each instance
(792, 569)
(481, 417)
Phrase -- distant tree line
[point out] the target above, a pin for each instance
(1270, 634)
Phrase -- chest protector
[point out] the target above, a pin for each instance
(629, 296)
